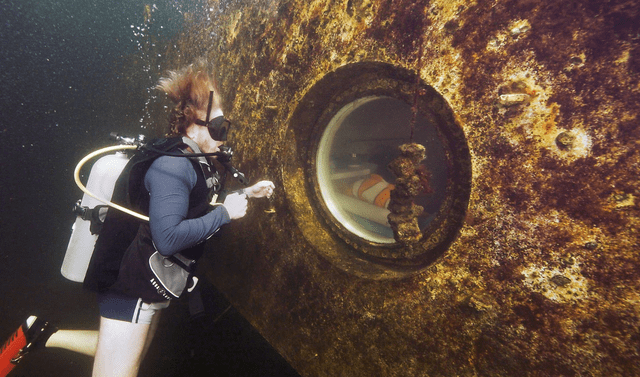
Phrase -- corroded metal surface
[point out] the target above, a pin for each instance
(542, 278)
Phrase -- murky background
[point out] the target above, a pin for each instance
(72, 72)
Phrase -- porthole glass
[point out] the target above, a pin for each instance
(345, 132)
(351, 164)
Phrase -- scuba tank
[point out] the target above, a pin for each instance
(102, 179)
(100, 188)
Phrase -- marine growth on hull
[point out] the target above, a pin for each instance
(412, 181)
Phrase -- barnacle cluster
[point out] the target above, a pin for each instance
(410, 182)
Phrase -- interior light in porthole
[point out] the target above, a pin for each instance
(352, 158)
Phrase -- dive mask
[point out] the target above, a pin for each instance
(218, 127)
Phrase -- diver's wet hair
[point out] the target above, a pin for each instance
(189, 89)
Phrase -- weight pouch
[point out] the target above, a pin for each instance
(171, 273)
(147, 274)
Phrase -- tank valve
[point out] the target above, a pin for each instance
(128, 140)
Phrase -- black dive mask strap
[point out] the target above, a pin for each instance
(209, 107)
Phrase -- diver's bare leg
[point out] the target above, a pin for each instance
(152, 331)
(82, 341)
(120, 348)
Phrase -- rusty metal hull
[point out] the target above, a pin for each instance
(541, 277)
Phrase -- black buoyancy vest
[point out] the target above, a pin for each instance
(120, 229)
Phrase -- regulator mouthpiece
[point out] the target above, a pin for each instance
(224, 157)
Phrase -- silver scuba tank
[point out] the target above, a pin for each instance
(101, 182)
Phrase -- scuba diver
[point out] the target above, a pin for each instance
(176, 194)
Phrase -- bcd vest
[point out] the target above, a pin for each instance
(125, 241)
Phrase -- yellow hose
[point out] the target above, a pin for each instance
(76, 176)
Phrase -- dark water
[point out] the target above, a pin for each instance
(64, 89)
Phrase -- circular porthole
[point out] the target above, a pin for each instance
(351, 165)
(347, 130)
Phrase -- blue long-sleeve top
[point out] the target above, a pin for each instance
(169, 181)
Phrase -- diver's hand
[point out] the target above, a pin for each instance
(236, 205)
(260, 190)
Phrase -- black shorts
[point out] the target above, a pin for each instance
(123, 308)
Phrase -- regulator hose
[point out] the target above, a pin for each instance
(76, 176)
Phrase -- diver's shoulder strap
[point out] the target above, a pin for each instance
(206, 167)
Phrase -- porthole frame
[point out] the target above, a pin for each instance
(314, 112)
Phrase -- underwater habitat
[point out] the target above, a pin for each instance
(457, 182)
